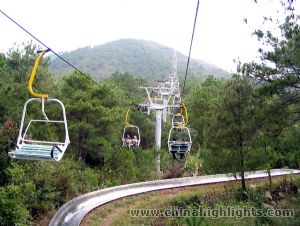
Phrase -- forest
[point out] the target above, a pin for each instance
(247, 122)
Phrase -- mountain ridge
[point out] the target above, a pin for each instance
(128, 55)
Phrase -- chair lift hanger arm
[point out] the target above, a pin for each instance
(186, 115)
(35, 67)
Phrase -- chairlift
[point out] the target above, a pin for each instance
(176, 92)
(178, 120)
(179, 141)
(176, 100)
(174, 107)
(30, 148)
(131, 137)
(144, 108)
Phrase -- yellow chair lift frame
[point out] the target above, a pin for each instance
(30, 149)
(127, 128)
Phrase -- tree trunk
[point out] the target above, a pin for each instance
(84, 146)
(241, 139)
(243, 169)
(270, 179)
(79, 150)
(268, 166)
(242, 160)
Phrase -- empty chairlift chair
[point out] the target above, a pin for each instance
(30, 148)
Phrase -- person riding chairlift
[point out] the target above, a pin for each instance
(128, 141)
(134, 141)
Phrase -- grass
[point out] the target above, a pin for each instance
(208, 196)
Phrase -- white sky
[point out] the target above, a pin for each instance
(64, 25)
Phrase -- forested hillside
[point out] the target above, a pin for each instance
(247, 122)
(128, 56)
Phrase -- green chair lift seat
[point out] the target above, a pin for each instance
(38, 152)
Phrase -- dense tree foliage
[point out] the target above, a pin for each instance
(277, 75)
(247, 121)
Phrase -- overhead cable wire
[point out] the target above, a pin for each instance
(64, 60)
(153, 74)
(191, 44)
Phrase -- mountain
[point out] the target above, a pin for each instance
(127, 55)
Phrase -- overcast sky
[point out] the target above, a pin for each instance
(64, 25)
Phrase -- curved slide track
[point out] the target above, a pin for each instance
(74, 211)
